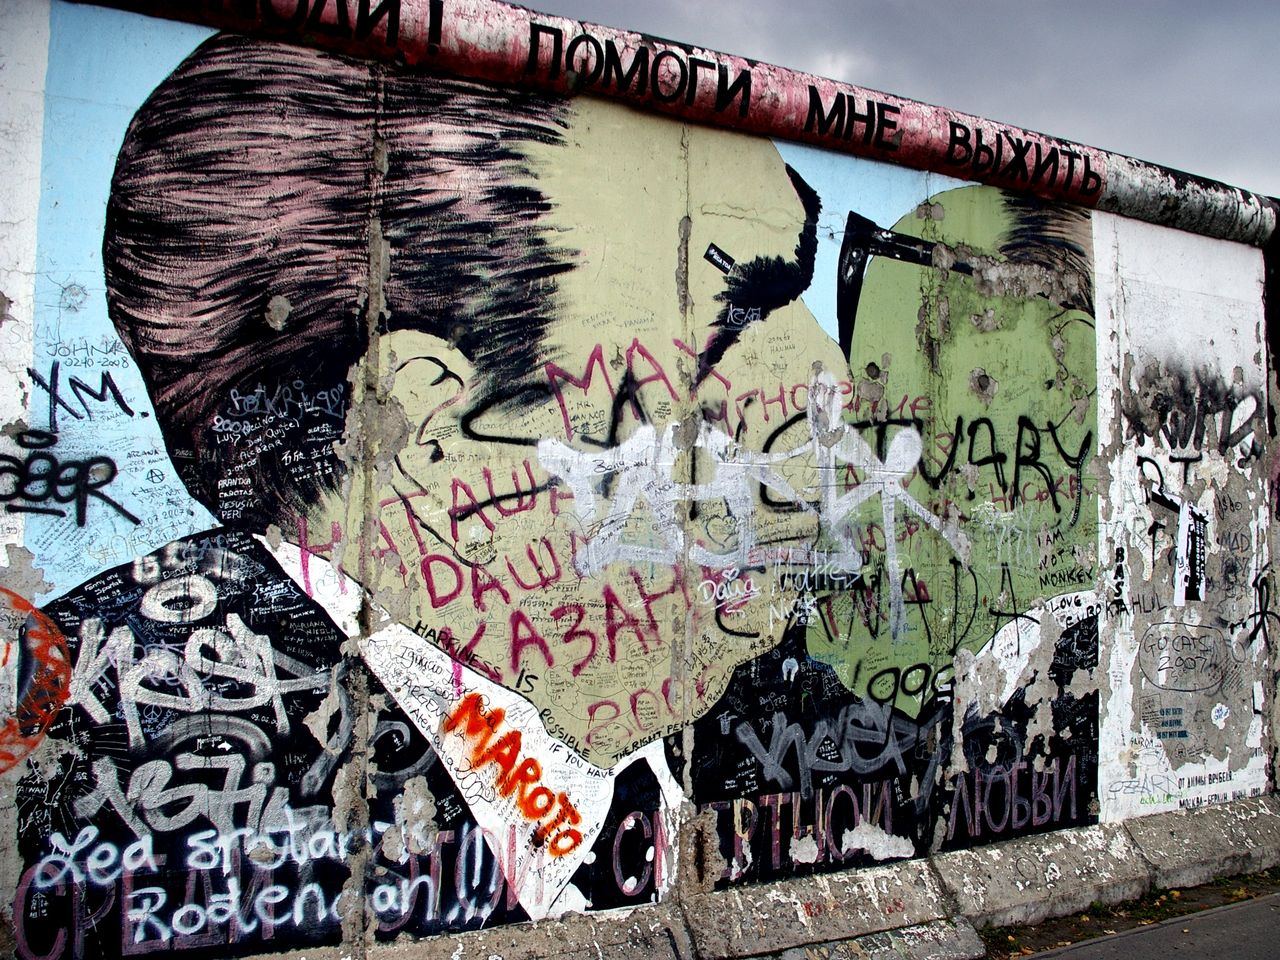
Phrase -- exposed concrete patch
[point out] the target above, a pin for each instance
(648, 932)
(683, 300)
(873, 839)
(871, 389)
(1188, 848)
(983, 384)
(351, 787)
(277, 314)
(943, 257)
(699, 863)
(1029, 879)
(987, 320)
(8, 939)
(998, 278)
(384, 432)
(834, 907)
(415, 809)
(929, 334)
(930, 211)
(13, 428)
(805, 850)
(20, 574)
(941, 940)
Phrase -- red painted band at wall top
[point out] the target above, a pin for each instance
(510, 45)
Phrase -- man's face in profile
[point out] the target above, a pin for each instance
(618, 600)
(555, 344)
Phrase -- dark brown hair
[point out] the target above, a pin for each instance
(258, 193)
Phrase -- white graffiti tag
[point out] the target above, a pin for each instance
(642, 468)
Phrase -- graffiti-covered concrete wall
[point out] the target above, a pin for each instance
(432, 504)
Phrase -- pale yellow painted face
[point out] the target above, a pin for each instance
(611, 610)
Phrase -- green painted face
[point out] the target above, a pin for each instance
(990, 356)
(629, 650)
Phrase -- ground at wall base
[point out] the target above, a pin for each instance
(1007, 943)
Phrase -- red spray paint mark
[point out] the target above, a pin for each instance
(517, 776)
(41, 644)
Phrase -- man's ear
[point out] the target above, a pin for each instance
(428, 378)
(421, 384)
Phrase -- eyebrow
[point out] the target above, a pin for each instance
(765, 283)
(864, 239)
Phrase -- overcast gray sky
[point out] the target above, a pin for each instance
(1194, 86)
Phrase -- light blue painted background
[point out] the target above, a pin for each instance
(102, 65)
(880, 192)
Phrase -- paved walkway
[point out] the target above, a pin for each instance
(1240, 931)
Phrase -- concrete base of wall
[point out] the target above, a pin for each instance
(922, 909)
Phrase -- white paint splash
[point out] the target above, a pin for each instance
(878, 844)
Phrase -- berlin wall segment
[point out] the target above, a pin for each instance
(457, 504)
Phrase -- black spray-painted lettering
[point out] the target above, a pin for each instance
(841, 120)
(665, 76)
(986, 156)
(29, 484)
(311, 15)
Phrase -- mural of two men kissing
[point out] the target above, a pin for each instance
(575, 472)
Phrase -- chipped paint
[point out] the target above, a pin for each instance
(762, 564)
